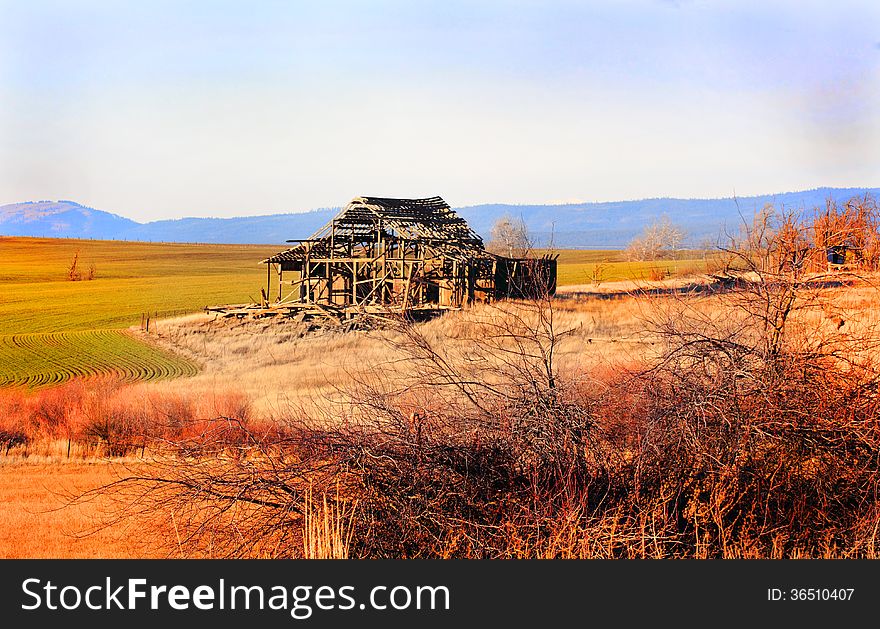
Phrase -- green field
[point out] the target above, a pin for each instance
(131, 278)
(582, 266)
(44, 359)
(52, 329)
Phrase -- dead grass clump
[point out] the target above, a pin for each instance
(327, 528)
(657, 274)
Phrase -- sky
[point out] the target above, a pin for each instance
(164, 109)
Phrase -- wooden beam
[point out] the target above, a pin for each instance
(354, 282)
(412, 267)
(280, 280)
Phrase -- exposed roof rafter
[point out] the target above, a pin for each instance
(429, 220)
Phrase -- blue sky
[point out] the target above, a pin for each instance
(163, 109)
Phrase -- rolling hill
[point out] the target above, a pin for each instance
(61, 219)
(608, 225)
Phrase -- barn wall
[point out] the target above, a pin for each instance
(525, 278)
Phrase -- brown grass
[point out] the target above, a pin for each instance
(280, 367)
(732, 445)
(261, 371)
(34, 522)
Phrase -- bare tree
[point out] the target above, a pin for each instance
(657, 239)
(510, 237)
(74, 274)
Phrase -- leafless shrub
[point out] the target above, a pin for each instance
(598, 272)
(765, 414)
(510, 237)
(754, 433)
(74, 274)
(662, 238)
(10, 438)
(657, 273)
(443, 463)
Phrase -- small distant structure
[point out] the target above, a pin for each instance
(836, 256)
(383, 256)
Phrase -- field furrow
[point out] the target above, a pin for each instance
(46, 359)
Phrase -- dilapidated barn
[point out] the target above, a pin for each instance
(397, 255)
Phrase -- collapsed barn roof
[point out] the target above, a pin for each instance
(430, 220)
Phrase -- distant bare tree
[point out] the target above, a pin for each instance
(510, 237)
(73, 273)
(657, 239)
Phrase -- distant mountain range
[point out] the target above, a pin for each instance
(608, 225)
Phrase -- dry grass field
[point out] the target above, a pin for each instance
(282, 367)
(275, 372)
(36, 523)
(53, 329)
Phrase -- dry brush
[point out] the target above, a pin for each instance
(751, 431)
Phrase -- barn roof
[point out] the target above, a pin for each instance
(428, 220)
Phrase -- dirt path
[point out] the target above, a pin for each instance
(628, 287)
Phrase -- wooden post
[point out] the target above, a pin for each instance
(279, 281)
(307, 273)
(332, 257)
(412, 267)
(453, 286)
(329, 281)
(376, 280)
(354, 282)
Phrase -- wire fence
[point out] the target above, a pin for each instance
(149, 318)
